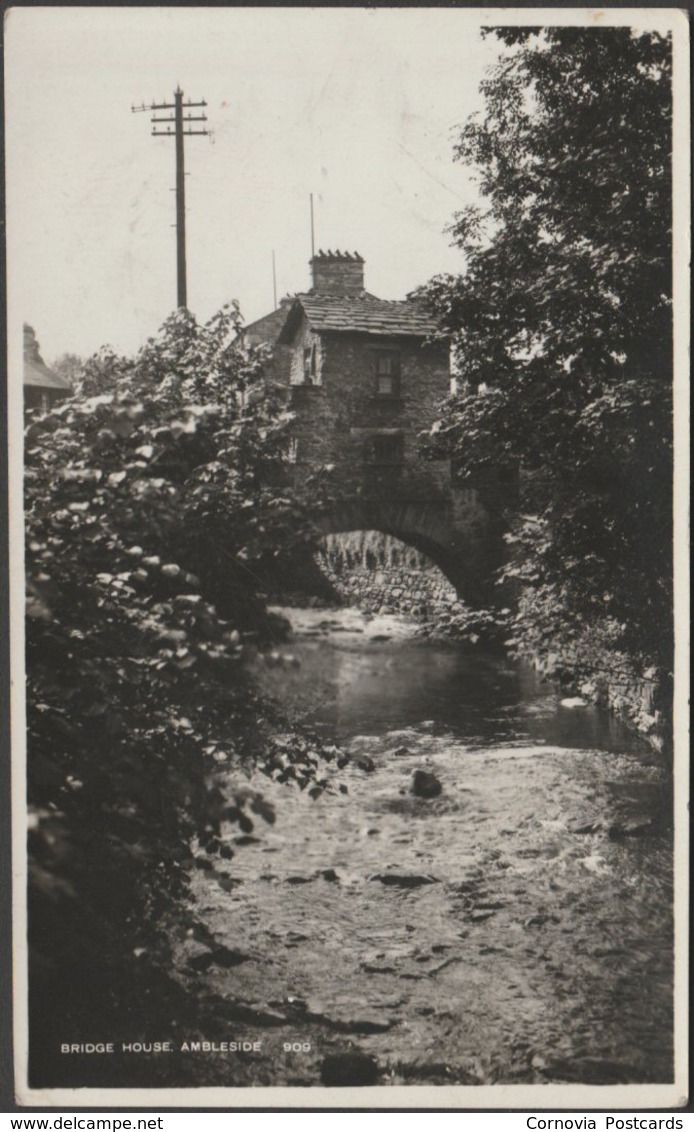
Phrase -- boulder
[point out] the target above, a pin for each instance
(425, 784)
(404, 880)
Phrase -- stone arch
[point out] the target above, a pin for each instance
(378, 573)
(465, 557)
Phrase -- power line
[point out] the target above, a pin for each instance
(180, 119)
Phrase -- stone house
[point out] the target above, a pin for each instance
(42, 387)
(364, 378)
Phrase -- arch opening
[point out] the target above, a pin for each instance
(380, 573)
(461, 558)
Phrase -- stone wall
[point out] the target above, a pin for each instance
(419, 593)
(337, 417)
(377, 573)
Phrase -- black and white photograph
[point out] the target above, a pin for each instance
(348, 411)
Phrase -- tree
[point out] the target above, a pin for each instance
(150, 511)
(561, 321)
(71, 367)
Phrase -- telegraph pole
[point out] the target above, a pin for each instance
(180, 119)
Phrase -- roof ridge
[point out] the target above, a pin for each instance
(319, 296)
(362, 298)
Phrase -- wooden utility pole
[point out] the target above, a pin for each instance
(180, 119)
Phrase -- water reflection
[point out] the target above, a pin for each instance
(352, 680)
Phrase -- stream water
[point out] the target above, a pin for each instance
(514, 928)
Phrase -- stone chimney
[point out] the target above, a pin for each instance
(337, 273)
(31, 346)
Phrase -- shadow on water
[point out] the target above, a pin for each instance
(361, 674)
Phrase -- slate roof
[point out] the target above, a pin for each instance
(360, 314)
(38, 373)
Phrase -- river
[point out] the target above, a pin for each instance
(517, 927)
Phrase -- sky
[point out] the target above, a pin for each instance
(360, 107)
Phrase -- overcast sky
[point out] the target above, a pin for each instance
(357, 106)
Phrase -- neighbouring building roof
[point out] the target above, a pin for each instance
(267, 328)
(36, 372)
(359, 314)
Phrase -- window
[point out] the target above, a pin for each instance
(310, 375)
(386, 449)
(44, 403)
(292, 450)
(387, 371)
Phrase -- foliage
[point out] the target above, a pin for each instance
(71, 367)
(149, 515)
(343, 551)
(491, 626)
(561, 321)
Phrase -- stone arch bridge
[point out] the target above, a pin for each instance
(460, 532)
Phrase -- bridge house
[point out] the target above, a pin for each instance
(364, 378)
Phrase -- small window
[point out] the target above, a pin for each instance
(293, 450)
(310, 366)
(386, 450)
(308, 356)
(387, 370)
(44, 402)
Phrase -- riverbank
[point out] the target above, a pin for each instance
(611, 680)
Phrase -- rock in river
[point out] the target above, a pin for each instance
(425, 784)
(403, 880)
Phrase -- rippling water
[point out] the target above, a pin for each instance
(516, 928)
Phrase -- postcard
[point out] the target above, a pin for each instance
(348, 416)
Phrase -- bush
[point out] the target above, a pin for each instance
(148, 520)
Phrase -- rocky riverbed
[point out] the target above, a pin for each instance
(511, 924)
